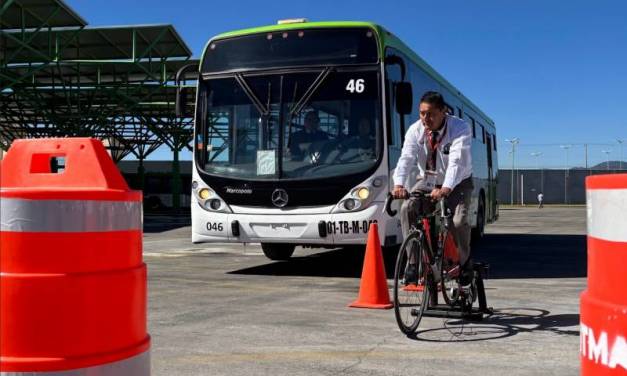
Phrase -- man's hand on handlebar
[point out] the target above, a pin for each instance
(437, 194)
(400, 192)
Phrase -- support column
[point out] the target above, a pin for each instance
(141, 175)
(176, 176)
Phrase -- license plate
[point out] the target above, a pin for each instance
(349, 227)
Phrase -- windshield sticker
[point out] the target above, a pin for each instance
(266, 162)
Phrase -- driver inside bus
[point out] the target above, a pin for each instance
(439, 145)
(310, 133)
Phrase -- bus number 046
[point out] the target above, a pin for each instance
(356, 85)
(215, 226)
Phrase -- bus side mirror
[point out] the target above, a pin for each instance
(182, 92)
(404, 98)
(181, 101)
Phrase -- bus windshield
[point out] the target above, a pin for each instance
(306, 125)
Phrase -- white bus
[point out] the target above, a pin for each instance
(298, 127)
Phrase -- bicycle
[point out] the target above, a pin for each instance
(437, 268)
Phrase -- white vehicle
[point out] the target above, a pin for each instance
(298, 128)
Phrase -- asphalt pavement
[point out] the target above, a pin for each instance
(224, 309)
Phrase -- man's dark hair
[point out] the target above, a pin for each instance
(433, 98)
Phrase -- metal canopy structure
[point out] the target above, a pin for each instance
(35, 13)
(60, 77)
(95, 43)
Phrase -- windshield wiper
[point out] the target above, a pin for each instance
(310, 91)
(263, 110)
(305, 99)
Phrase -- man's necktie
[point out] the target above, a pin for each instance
(433, 142)
(434, 139)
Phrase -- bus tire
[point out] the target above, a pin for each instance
(278, 251)
(478, 230)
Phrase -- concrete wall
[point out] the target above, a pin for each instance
(558, 186)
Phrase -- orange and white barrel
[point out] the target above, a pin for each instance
(603, 326)
(72, 279)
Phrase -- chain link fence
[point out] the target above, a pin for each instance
(565, 186)
(593, 156)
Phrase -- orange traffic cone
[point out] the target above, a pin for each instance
(373, 292)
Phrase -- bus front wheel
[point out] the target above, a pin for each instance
(277, 251)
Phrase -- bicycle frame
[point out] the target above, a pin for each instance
(445, 245)
(444, 248)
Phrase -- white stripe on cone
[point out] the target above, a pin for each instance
(22, 215)
(607, 214)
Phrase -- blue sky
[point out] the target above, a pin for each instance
(548, 72)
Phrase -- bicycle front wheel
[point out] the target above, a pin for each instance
(411, 290)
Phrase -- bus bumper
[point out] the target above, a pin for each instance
(323, 229)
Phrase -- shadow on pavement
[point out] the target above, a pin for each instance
(533, 256)
(509, 256)
(505, 322)
(336, 263)
(154, 223)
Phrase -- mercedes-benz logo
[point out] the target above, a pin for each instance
(315, 157)
(279, 197)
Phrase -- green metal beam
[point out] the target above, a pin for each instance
(150, 46)
(25, 45)
(5, 6)
(33, 34)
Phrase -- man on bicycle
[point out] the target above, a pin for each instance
(439, 144)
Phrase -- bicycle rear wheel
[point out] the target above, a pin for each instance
(410, 297)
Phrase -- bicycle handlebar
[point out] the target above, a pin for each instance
(390, 198)
(388, 202)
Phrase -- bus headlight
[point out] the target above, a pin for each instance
(215, 204)
(205, 193)
(351, 204)
(362, 193)
(207, 199)
(361, 196)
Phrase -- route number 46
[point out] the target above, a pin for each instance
(357, 86)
